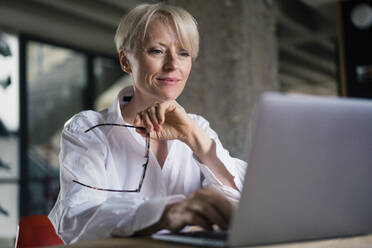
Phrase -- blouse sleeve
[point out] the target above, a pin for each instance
(81, 213)
(235, 166)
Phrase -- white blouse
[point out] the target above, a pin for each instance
(112, 157)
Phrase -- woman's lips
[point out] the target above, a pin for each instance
(168, 80)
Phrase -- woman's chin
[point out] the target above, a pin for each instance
(168, 96)
(165, 98)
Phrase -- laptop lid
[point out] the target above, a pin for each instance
(309, 174)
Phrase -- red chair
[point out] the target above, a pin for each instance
(36, 231)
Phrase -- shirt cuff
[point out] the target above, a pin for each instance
(232, 194)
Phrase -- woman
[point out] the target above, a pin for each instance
(104, 189)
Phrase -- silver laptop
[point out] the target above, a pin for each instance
(309, 175)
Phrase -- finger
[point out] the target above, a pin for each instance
(160, 113)
(194, 218)
(224, 206)
(138, 123)
(178, 215)
(153, 117)
(209, 212)
(176, 229)
(137, 120)
(146, 121)
(161, 110)
(218, 201)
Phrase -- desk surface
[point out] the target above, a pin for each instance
(354, 242)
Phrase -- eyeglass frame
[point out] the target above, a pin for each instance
(144, 165)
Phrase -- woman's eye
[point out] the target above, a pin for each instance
(184, 54)
(155, 51)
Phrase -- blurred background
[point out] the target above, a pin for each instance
(58, 58)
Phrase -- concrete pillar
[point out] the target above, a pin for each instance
(237, 62)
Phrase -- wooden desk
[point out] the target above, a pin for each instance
(354, 242)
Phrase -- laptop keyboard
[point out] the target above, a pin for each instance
(200, 238)
(218, 235)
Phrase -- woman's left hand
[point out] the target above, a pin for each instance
(165, 121)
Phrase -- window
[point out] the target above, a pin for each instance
(9, 135)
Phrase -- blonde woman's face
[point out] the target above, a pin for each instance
(160, 67)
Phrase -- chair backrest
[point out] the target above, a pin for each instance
(36, 231)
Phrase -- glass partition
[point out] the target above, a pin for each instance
(9, 136)
(56, 84)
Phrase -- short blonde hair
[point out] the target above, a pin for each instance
(133, 26)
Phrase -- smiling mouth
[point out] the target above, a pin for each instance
(168, 81)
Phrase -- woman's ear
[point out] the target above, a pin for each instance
(124, 62)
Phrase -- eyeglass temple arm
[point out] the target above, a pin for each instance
(113, 124)
(144, 165)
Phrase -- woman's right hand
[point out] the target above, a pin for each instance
(165, 121)
(203, 208)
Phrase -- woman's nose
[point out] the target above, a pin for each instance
(171, 61)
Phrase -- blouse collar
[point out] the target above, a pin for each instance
(123, 98)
